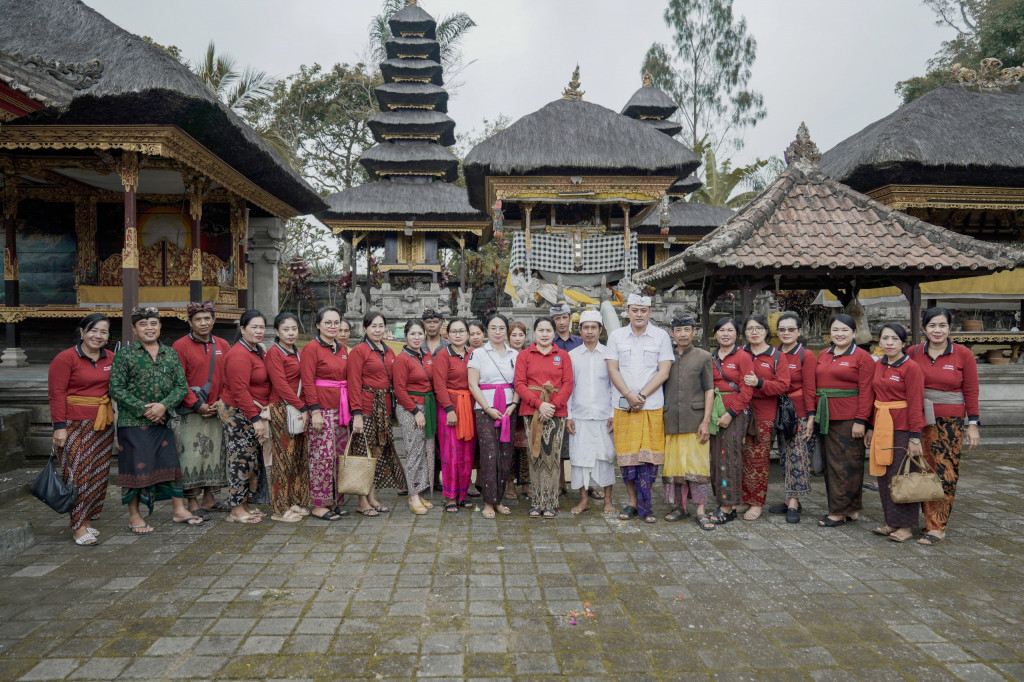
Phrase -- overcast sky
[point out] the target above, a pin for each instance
(831, 63)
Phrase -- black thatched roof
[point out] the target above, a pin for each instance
(46, 82)
(670, 128)
(684, 186)
(649, 101)
(141, 84)
(578, 138)
(387, 200)
(950, 136)
(413, 48)
(406, 159)
(412, 20)
(689, 214)
(396, 95)
(390, 124)
(403, 69)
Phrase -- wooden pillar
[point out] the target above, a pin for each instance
(707, 300)
(196, 187)
(129, 169)
(527, 237)
(12, 298)
(915, 313)
(462, 260)
(626, 238)
(239, 239)
(746, 303)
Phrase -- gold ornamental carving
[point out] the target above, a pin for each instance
(572, 91)
(990, 76)
(150, 140)
(130, 252)
(85, 236)
(129, 170)
(195, 190)
(195, 270)
(902, 197)
(10, 266)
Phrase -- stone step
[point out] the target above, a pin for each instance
(15, 537)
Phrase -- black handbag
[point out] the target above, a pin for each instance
(50, 487)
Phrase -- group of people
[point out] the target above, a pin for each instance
(271, 422)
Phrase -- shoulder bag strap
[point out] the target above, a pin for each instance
(718, 364)
(213, 359)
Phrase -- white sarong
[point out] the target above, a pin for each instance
(591, 454)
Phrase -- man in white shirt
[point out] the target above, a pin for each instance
(591, 450)
(639, 359)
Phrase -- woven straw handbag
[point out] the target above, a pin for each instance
(355, 474)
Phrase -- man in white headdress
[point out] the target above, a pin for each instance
(639, 359)
(589, 423)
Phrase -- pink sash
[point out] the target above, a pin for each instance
(500, 405)
(343, 413)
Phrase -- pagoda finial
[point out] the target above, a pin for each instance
(411, 3)
(573, 90)
(648, 80)
(802, 152)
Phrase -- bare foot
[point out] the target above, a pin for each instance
(583, 506)
(609, 508)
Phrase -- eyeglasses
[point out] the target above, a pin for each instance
(755, 329)
(332, 324)
(787, 330)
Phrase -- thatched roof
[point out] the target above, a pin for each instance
(413, 122)
(397, 69)
(689, 214)
(573, 137)
(950, 136)
(45, 82)
(391, 95)
(649, 101)
(805, 221)
(414, 48)
(683, 186)
(666, 126)
(142, 84)
(413, 20)
(387, 200)
(406, 159)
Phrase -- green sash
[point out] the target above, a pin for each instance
(429, 411)
(717, 410)
(821, 415)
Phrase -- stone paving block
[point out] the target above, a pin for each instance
(100, 669)
(171, 646)
(440, 665)
(51, 669)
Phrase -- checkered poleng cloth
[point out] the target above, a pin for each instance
(553, 253)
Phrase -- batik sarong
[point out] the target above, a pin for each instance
(796, 462)
(642, 476)
(86, 460)
(942, 445)
(546, 462)
(727, 461)
(495, 459)
(377, 428)
(844, 468)
(147, 464)
(245, 455)
(325, 446)
(201, 452)
(419, 453)
(456, 459)
(897, 515)
(756, 451)
(289, 467)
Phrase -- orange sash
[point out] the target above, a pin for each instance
(104, 415)
(882, 440)
(465, 427)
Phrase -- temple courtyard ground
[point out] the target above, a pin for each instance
(460, 597)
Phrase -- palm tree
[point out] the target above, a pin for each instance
(451, 29)
(239, 90)
(720, 181)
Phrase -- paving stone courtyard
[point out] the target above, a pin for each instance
(460, 597)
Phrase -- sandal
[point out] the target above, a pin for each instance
(826, 522)
(475, 493)
(144, 529)
(627, 513)
(704, 522)
(720, 517)
(328, 515)
(596, 494)
(750, 515)
(87, 540)
(381, 509)
(369, 511)
(502, 509)
(189, 521)
(301, 511)
(417, 509)
(900, 538)
(426, 503)
(534, 512)
(650, 518)
(451, 508)
(403, 493)
(220, 506)
(288, 517)
(677, 514)
(884, 531)
(929, 539)
(550, 513)
(488, 513)
(250, 519)
(339, 511)
(466, 504)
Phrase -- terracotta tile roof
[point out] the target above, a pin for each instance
(806, 220)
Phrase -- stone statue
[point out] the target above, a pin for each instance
(464, 303)
(604, 293)
(355, 302)
(522, 297)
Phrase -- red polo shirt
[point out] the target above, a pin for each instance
(735, 366)
(283, 371)
(853, 369)
(412, 373)
(73, 372)
(326, 362)
(370, 368)
(954, 370)
(534, 368)
(801, 380)
(772, 370)
(195, 360)
(450, 372)
(902, 380)
(246, 381)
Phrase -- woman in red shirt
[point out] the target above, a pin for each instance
(729, 419)
(289, 469)
(843, 385)
(324, 370)
(370, 394)
(455, 423)
(951, 386)
(543, 380)
(796, 452)
(898, 386)
(83, 421)
(417, 413)
(769, 379)
(245, 395)
(521, 461)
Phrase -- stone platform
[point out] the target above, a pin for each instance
(455, 596)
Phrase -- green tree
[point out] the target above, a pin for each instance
(722, 180)
(707, 70)
(172, 50)
(238, 88)
(451, 29)
(984, 28)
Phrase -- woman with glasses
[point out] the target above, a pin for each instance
(455, 422)
(730, 414)
(768, 380)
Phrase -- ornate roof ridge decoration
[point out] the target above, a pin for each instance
(802, 152)
(648, 80)
(990, 76)
(572, 91)
(77, 75)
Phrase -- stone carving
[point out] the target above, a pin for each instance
(355, 303)
(573, 90)
(464, 303)
(990, 75)
(803, 152)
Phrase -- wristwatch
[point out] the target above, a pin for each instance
(642, 396)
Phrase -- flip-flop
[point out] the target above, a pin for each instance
(381, 509)
(370, 513)
(250, 520)
(219, 506)
(502, 509)
(928, 540)
(488, 513)
(326, 516)
(466, 504)
(899, 538)
(884, 531)
(826, 522)
(141, 530)
(535, 512)
(339, 511)
(476, 494)
(294, 518)
(189, 520)
(627, 513)
(596, 494)
(200, 512)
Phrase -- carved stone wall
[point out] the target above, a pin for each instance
(266, 236)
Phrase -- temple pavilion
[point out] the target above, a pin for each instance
(125, 180)
(410, 208)
(955, 158)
